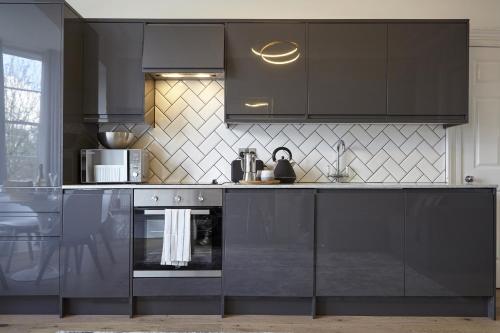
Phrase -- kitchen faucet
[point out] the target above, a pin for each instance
(338, 176)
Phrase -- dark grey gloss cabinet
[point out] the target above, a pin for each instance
(268, 243)
(29, 266)
(359, 237)
(183, 47)
(113, 78)
(95, 247)
(265, 71)
(30, 94)
(427, 73)
(347, 69)
(450, 247)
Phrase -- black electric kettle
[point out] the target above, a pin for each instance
(283, 171)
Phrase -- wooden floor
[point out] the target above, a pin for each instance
(336, 324)
(46, 324)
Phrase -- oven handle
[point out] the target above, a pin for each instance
(162, 212)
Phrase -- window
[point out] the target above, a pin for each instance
(23, 91)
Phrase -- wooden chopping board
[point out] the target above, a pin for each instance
(260, 182)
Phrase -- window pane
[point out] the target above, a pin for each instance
(22, 105)
(22, 98)
(21, 149)
(21, 72)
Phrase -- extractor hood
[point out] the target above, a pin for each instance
(184, 51)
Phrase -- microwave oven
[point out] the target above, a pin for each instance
(113, 165)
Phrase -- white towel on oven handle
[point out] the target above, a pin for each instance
(176, 249)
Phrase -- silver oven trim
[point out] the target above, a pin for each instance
(201, 273)
(162, 212)
(178, 197)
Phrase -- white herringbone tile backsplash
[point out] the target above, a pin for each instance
(191, 144)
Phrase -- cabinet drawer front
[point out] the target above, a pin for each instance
(30, 200)
(30, 224)
(177, 287)
(29, 267)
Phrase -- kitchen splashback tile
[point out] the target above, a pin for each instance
(191, 144)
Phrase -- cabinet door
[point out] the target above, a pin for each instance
(427, 69)
(272, 84)
(450, 243)
(30, 94)
(268, 243)
(360, 243)
(113, 77)
(96, 243)
(347, 69)
(29, 266)
(183, 47)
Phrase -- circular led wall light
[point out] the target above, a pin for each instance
(282, 58)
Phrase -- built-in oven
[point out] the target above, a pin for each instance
(205, 232)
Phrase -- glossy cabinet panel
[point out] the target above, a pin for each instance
(359, 237)
(347, 69)
(113, 77)
(268, 239)
(30, 200)
(30, 94)
(30, 224)
(77, 135)
(95, 245)
(29, 267)
(183, 47)
(428, 68)
(265, 87)
(450, 245)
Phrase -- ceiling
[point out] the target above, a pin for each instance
(482, 13)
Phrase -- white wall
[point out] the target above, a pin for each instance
(482, 13)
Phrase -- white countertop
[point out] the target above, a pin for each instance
(295, 185)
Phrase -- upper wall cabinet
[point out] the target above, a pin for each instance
(30, 94)
(113, 78)
(266, 72)
(195, 48)
(347, 70)
(427, 74)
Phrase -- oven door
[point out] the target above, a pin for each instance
(206, 243)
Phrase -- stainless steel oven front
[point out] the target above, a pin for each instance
(205, 207)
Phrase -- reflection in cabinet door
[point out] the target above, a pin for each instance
(96, 244)
(30, 90)
(265, 70)
(29, 267)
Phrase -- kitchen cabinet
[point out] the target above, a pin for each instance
(450, 242)
(265, 71)
(114, 83)
(427, 71)
(268, 242)
(29, 266)
(183, 47)
(95, 247)
(30, 94)
(359, 243)
(347, 70)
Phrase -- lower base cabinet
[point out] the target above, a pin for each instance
(268, 243)
(450, 242)
(359, 243)
(95, 247)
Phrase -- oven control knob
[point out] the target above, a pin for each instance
(200, 198)
(135, 174)
(154, 198)
(177, 198)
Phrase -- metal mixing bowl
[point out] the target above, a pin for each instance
(115, 140)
